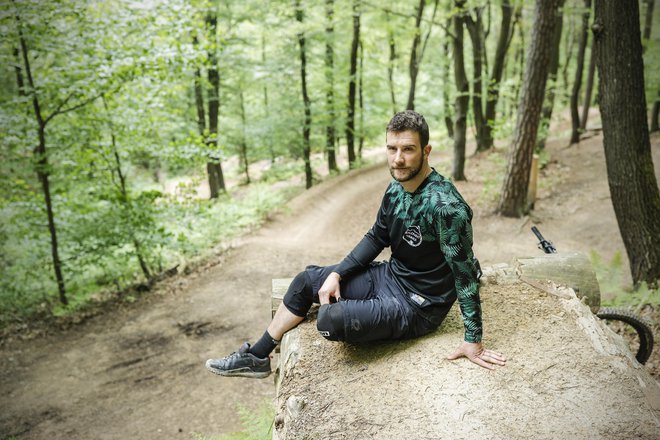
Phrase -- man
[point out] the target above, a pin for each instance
(426, 223)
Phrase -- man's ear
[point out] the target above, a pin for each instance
(427, 150)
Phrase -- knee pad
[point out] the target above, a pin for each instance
(330, 322)
(300, 294)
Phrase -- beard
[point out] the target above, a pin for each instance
(406, 174)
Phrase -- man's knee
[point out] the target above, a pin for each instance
(299, 296)
(330, 322)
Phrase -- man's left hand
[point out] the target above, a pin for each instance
(476, 353)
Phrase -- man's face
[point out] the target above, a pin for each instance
(405, 155)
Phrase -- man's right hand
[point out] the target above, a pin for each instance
(330, 288)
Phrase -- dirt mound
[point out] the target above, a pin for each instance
(567, 376)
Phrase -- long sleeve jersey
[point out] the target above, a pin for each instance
(430, 235)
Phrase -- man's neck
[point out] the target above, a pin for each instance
(412, 185)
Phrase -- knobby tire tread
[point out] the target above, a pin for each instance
(643, 329)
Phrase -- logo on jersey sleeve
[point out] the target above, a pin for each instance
(413, 236)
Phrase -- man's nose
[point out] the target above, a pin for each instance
(398, 157)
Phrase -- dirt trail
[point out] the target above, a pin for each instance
(137, 372)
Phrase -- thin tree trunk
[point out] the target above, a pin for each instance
(266, 106)
(503, 42)
(462, 98)
(654, 114)
(42, 167)
(575, 95)
(330, 84)
(307, 123)
(549, 102)
(125, 200)
(391, 62)
(413, 66)
(243, 142)
(513, 201)
(350, 120)
(199, 97)
(518, 66)
(475, 29)
(445, 66)
(361, 101)
(588, 91)
(630, 170)
(648, 23)
(214, 166)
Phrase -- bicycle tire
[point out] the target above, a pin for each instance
(643, 329)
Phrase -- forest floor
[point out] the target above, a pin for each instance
(137, 370)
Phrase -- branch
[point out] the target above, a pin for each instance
(60, 111)
(401, 14)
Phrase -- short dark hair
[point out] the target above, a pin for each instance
(410, 120)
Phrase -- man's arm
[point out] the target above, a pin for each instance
(456, 245)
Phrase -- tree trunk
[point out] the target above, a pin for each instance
(266, 106)
(462, 99)
(125, 200)
(213, 166)
(445, 66)
(648, 23)
(361, 102)
(350, 120)
(413, 66)
(630, 170)
(654, 114)
(307, 123)
(330, 141)
(199, 96)
(513, 201)
(42, 168)
(518, 63)
(475, 29)
(243, 142)
(588, 91)
(549, 102)
(390, 64)
(503, 42)
(575, 95)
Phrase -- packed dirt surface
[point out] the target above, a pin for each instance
(137, 370)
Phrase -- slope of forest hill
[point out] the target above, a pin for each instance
(137, 371)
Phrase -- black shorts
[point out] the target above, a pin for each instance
(372, 304)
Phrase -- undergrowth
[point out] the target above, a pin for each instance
(256, 424)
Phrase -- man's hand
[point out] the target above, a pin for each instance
(330, 288)
(476, 353)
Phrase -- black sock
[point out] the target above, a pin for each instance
(264, 346)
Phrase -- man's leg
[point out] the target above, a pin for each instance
(254, 361)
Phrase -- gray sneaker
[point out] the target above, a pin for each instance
(241, 363)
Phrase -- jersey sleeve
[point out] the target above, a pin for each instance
(455, 237)
(371, 245)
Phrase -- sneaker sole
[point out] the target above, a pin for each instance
(240, 372)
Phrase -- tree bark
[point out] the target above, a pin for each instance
(630, 170)
(307, 123)
(475, 29)
(462, 98)
(330, 140)
(648, 23)
(42, 167)
(214, 165)
(390, 64)
(654, 114)
(361, 102)
(199, 96)
(413, 65)
(575, 95)
(350, 120)
(243, 142)
(549, 102)
(588, 91)
(445, 66)
(513, 201)
(503, 42)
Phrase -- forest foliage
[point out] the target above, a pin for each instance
(112, 89)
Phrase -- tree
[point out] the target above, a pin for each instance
(350, 120)
(549, 102)
(462, 96)
(307, 123)
(575, 95)
(330, 84)
(475, 29)
(630, 171)
(417, 54)
(391, 61)
(513, 200)
(214, 165)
